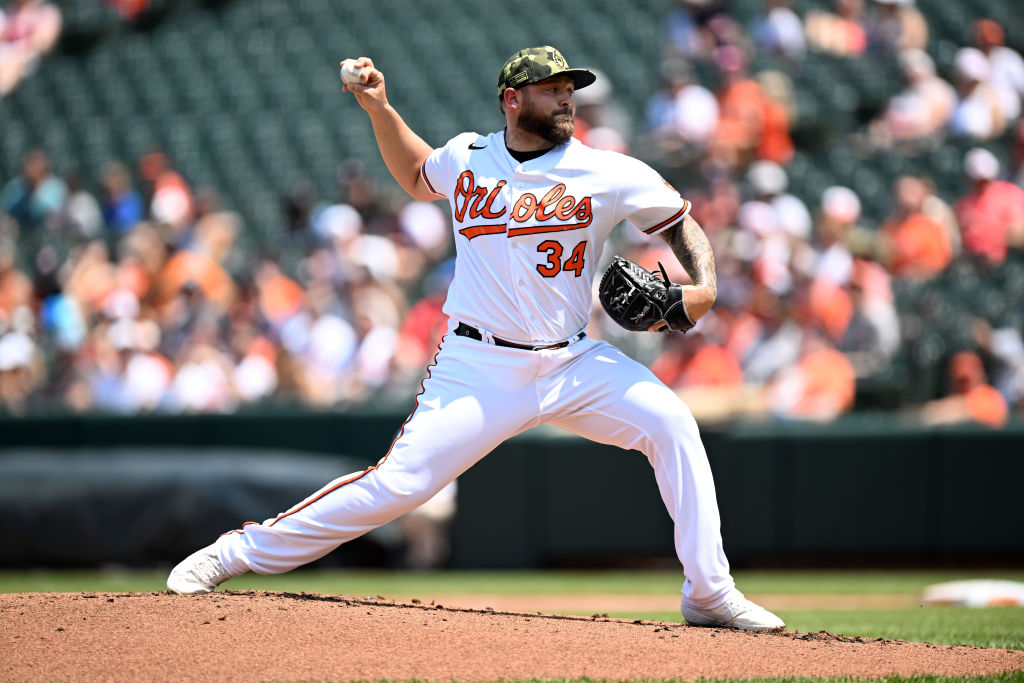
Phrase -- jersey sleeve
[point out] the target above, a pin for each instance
(648, 202)
(436, 169)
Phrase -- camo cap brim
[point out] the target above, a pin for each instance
(537, 63)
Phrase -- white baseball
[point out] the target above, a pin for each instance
(350, 73)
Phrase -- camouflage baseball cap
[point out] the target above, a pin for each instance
(537, 63)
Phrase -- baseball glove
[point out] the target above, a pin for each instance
(636, 298)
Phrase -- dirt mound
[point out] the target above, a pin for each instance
(258, 636)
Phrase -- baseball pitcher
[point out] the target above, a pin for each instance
(532, 208)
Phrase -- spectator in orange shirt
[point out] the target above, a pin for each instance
(695, 361)
(746, 113)
(202, 267)
(916, 244)
(830, 307)
(775, 143)
(972, 398)
(280, 297)
(920, 248)
(992, 213)
(820, 386)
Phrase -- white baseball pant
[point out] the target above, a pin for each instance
(477, 395)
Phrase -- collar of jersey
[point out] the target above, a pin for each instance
(544, 161)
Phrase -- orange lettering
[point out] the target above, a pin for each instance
(475, 199)
(486, 210)
(554, 205)
(552, 197)
(464, 188)
(583, 211)
(525, 208)
(565, 208)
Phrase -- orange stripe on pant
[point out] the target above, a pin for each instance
(362, 474)
(365, 472)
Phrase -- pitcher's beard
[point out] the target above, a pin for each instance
(553, 128)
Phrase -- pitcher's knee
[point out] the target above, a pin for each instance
(673, 419)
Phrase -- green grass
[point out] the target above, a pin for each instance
(1000, 627)
(398, 584)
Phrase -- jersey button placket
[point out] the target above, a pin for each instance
(513, 252)
(523, 260)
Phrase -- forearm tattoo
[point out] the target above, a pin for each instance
(692, 248)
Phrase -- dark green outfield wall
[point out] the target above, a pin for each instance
(864, 494)
(143, 490)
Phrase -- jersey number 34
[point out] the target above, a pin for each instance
(554, 263)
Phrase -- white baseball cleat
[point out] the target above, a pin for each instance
(735, 612)
(200, 572)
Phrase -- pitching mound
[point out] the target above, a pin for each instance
(258, 636)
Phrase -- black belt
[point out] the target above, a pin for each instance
(464, 330)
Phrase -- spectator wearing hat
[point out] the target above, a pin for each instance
(991, 214)
(862, 315)
(769, 182)
(682, 115)
(601, 122)
(170, 197)
(772, 246)
(19, 371)
(778, 31)
(1006, 67)
(839, 236)
(979, 113)
(921, 110)
(779, 221)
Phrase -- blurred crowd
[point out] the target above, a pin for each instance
(147, 294)
(139, 299)
(808, 309)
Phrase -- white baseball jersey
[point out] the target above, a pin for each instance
(529, 235)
